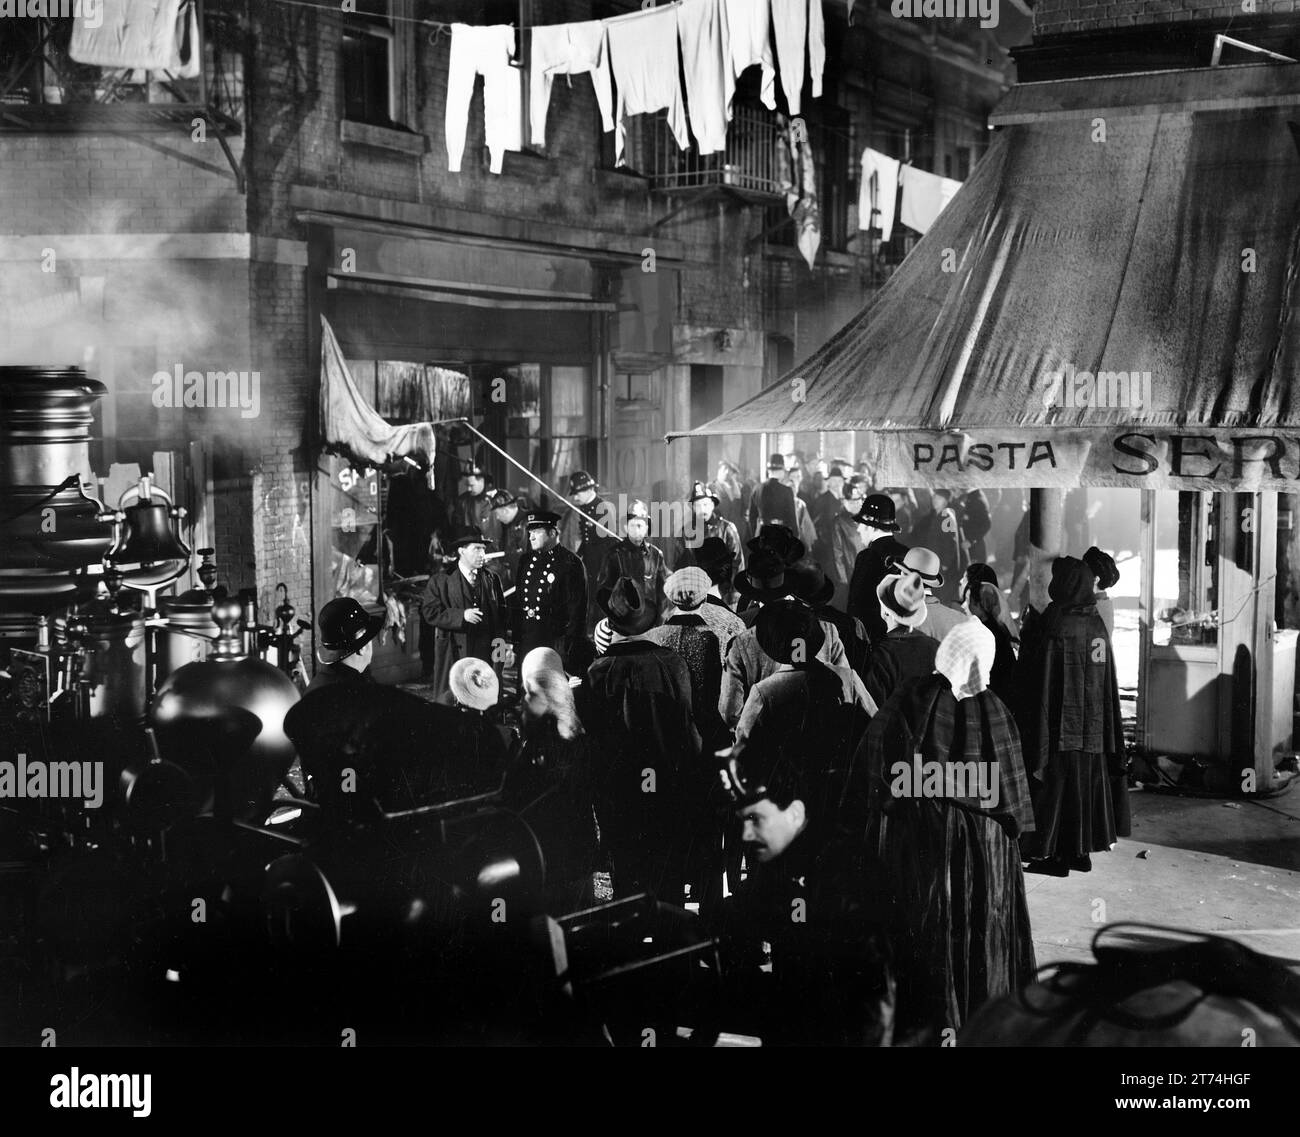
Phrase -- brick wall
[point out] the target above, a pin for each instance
(1054, 17)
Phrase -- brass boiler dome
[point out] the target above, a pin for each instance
(191, 704)
(50, 530)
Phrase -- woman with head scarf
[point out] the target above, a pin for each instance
(549, 783)
(1070, 725)
(946, 800)
(1107, 573)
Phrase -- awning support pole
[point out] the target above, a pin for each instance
(1046, 524)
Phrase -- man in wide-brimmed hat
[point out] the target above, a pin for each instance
(905, 652)
(591, 542)
(466, 609)
(923, 564)
(877, 523)
(550, 601)
(344, 635)
(843, 542)
(636, 558)
(767, 580)
(639, 697)
(940, 530)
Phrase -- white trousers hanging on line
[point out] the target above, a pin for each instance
(706, 63)
(485, 51)
(568, 49)
(798, 23)
(749, 28)
(643, 54)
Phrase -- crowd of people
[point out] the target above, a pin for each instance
(811, 714)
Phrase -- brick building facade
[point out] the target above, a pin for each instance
(210, 226)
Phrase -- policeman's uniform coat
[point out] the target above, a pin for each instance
(446, 597)
(474, 510)
(550, 602)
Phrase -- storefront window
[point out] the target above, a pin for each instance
(1187, 569)
(352, 514)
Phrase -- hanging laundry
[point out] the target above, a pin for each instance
(187, 62)
(485, 51)
(749, 31)
(138, 34)
(878, 191)
(706, 63)
(924, 197)
(799, 25)
(643, 55)
(798, 171)
(568, 49)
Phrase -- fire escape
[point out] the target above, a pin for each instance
(44, 91)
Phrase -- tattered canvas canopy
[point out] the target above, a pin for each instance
(1124, 241)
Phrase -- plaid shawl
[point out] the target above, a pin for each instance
(924, 717)
(1068, 691)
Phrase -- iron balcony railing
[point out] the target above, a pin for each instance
(748, 163)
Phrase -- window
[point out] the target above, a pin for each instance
(378, 63)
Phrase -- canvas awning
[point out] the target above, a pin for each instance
(1116, 228)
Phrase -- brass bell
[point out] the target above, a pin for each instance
(147, 545)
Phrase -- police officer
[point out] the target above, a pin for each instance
(551, 596)
(588, 540)
(634, 557)
(508, 532)
(345, 631)
(474, 506)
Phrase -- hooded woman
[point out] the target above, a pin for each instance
(1070, 726)
(947, 798)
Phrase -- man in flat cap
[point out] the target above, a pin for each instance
(550, 600)
(466, 609)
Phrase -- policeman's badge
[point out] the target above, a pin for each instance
(550, 578)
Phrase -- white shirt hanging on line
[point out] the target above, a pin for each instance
(568, 49)
(643, 54)
(485, 51)
(878, 191)
(924, 197)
